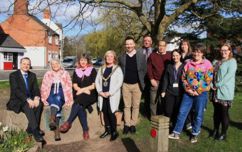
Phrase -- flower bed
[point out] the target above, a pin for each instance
(13, 140)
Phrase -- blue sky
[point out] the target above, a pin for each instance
(83, 25)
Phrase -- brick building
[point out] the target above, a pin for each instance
(40, 41)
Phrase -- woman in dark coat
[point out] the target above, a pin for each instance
(84, 94)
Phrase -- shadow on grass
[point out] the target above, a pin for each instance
(236, 124)
(130, 145)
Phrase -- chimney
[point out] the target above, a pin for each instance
(47, 13)
(20, 7)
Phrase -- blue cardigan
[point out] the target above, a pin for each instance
(226, 79)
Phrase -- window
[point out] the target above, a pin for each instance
(8, 57)
(50, 39)
(56, 40)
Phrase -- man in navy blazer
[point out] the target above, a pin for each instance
(25, 97)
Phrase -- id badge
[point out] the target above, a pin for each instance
(175, 85)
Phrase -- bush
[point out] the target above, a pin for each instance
(14, 141)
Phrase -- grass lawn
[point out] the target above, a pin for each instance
(141, 140)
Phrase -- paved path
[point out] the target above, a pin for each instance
(93, 145)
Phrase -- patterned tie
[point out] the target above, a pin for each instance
(26, 80)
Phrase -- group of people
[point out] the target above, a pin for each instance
(182, 78)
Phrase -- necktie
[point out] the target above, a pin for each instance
(147, 53)
(26, 80)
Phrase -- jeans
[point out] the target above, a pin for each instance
(198, 102)
(78, 110)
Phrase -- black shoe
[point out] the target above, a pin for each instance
(38, 138)
(29, 131)
(105, 134)
(222, 137)
(90, 109)
(41, 132)
(132, 129)
(126, 129)
(114, 136)
(214, 134)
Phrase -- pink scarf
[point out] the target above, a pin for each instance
(80, 73)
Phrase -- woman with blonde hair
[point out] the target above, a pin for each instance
(56, 90)
(108, 83)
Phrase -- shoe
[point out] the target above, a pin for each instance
(214, 134)
(85, 135)
(30, 132)
(90, 109)
(132, 129)
(173, 136)
(38, 137)
(41, 132)
(57, 135)
(114, 136)
(107, 132)
(52, 123)
(193, 139)
(222, 137)
(65, 127)
(126, 129)
(189, 126)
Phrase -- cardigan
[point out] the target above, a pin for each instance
(116, 82)
(66, 84)
(225, 80)
(197, 76)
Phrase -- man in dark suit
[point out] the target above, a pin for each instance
(25, 97)
(147, 50)
(133, 64)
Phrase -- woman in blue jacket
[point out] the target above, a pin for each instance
(223, 90)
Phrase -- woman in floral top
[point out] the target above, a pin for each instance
(197, 76)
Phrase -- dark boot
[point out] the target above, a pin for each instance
(57, 134)
(107, 132)
(52, 124)
(114, 135)
(214, 134)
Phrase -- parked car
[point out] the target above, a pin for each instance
(98, 62)
(69, 62)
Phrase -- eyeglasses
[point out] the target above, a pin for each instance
(224, 50)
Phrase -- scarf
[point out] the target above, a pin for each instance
(86, 72)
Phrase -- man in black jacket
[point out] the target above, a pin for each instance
(25, 97)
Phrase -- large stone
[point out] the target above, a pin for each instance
(19, 121)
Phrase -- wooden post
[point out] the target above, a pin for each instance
(159, 132)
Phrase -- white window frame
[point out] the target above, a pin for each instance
(8, 57)
(50, 39)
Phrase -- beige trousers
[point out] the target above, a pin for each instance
(131, 97)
